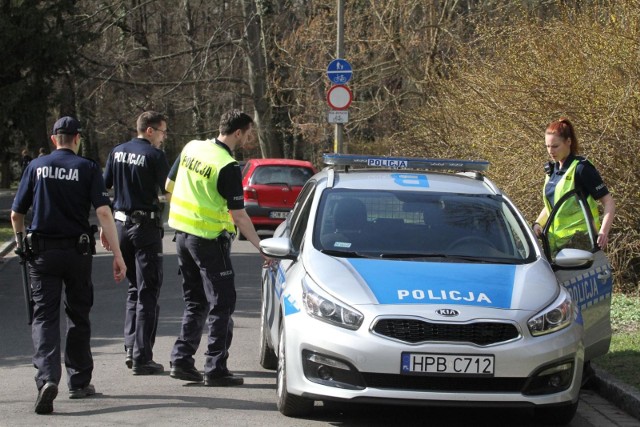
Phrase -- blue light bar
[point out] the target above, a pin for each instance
(404, 162)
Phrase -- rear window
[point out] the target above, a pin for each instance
(291, 175)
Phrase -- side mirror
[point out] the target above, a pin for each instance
(573, 259)
(278, 247)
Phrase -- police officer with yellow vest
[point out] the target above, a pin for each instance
(62, 187)
(206, 201)
(137, 171)
(569, 172)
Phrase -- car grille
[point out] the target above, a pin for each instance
(461, 384)
(414, 331)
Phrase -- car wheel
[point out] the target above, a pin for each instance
(556, 415)
(288, 404)
(268, 358)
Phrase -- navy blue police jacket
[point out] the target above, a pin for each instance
(61, 187)
(137, 171)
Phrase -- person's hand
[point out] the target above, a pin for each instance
(603, 239)
(119, 268)
(268, 262)
(537, 228)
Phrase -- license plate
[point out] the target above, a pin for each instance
(280, 215)
(447, 364)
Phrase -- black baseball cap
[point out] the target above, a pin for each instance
(67, 125)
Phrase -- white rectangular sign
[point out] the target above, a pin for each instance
(335, 116)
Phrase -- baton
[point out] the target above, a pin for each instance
(26, 287)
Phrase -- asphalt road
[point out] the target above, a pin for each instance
(126, 400)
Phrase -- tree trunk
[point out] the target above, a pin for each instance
(257, 75)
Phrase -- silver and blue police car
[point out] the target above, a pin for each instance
(398, 280)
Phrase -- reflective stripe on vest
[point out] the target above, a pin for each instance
(196, 207)
(566, 226)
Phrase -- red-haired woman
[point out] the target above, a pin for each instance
(569, 171)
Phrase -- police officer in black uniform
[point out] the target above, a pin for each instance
(137, 171)
(61, 187)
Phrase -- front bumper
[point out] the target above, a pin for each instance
(334, 363)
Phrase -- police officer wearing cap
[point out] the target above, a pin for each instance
(206, 201)
(137, 171)
(61, 188)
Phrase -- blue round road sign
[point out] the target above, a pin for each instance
(339, 71)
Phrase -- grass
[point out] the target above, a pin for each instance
(624, 354)
(6, 232)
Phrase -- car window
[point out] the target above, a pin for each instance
(416, 224)
(291, 175)
(300, 214)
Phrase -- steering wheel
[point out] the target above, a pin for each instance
(471, 240)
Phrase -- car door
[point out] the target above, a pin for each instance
(275, 277)
(590, 287)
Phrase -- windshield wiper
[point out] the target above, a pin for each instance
(444, 256)
(344, 254)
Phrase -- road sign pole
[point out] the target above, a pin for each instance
(338, 144)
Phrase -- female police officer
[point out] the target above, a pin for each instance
(62, 187)
(572, 172)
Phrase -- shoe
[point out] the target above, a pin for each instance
(228, 380)
(46, 395)
(128, 360)
(148, 368)
(186, 374)
(79, 393)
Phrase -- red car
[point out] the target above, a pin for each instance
(271, 187)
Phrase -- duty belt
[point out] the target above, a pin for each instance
(135, 217)
(85, 243)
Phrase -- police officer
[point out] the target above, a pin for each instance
(569, 171)
(61, 187)
(137, 171)
(207, 199)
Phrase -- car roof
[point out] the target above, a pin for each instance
(286, 162)
(436, 181)
(462, 180)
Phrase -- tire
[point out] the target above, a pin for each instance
(268, 358)
(289, 404)
(556, 415)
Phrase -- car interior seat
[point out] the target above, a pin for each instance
(349, 224)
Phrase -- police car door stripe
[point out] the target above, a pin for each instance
(403, 282)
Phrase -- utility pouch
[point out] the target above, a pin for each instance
(30, 246)
(84, 246)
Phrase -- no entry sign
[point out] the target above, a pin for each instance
(339, 97)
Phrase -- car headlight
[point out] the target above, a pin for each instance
(557, 316)
(330, 310)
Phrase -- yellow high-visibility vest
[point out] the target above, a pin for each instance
(196, 207)
(570, 219)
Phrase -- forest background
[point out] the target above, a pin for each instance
(476, 79)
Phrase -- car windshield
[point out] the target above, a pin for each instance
(421, 226)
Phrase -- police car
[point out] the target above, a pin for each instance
(417, 281)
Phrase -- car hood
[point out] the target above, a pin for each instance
(359, 281)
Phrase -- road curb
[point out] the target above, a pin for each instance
(620, 394)
(7, 247)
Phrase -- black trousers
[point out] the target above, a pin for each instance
(210, 296)
(51, 271)
(141, 246)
